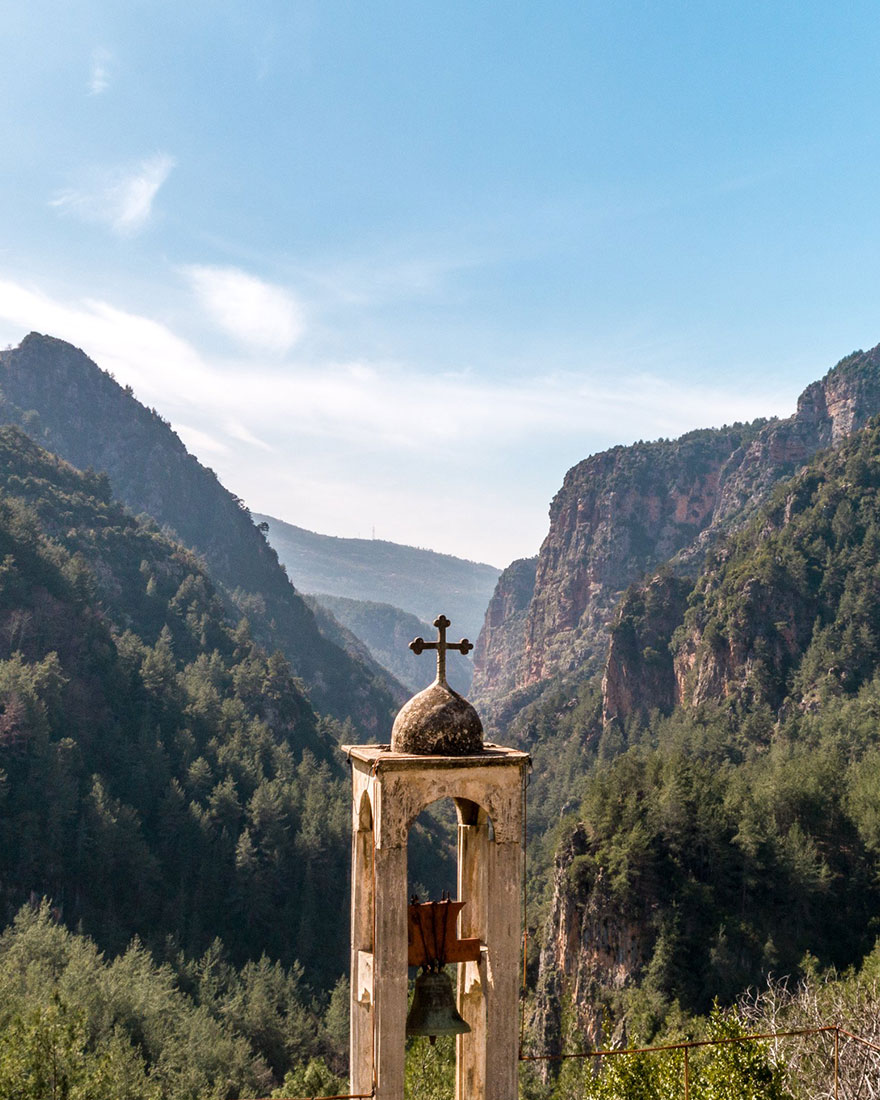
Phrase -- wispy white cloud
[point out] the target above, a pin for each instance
(393, 405)
(340, 446)
(103, 64)
(200, 442)
(138, 350)
(260, 315)
(240, 432)
(121, 198)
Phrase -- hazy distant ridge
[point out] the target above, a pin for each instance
(386, 632)
(421, 582)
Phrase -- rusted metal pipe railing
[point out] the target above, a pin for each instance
(685, 1047)
(689, 1044)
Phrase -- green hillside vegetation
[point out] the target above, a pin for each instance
(740, 834)
(161, 775)
(797, 1066)
(162, 778)
(77, 1024)
(794, 598)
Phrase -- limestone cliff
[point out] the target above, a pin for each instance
(827, 412)
(622, 513)
(618, 515)
(774, 663)
(502, 638)
(639, 672)
(592, 949)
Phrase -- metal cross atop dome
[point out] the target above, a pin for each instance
(419, 645)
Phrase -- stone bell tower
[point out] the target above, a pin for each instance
(437, 752)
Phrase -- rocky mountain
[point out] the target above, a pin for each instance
(622, 513)
(729, 823)
(420, 582)
(67, 404)
(784, 615)
(501, 643)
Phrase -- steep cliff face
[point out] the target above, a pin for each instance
(622, 513)
(639, 672)
(592, 949)
(775, 642)
(501, 642)
(68, 405)
(708, 829)
(827, 412)
(618, 515)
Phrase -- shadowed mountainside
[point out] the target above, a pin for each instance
(68, 405)
(386, 631)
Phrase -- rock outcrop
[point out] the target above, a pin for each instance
(502, 640)
(639, 672)
(618, 515)
(622, 513)
(592, 949)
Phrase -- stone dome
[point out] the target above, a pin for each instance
(437, 722)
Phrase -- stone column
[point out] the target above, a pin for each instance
(473, 890)
(390, 971)
(502, 1000)
(361, 1005)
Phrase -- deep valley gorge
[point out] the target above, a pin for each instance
(692, 659)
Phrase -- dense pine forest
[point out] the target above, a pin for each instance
(162, 778)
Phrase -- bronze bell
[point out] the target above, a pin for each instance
(433, 1010)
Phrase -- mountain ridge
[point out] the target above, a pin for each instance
(729, 823)
(622, 513)
(424, 583)
(68, 404)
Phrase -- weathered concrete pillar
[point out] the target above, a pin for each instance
(389, 976)
(390, 791)
(502, 999)
(473, 890)
(361, 1029)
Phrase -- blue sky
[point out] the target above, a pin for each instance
(399, 265)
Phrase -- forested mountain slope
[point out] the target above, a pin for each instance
(73, 408)
(160, 774)
(727, 839)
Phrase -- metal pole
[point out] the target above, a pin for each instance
(687, 1076)
(836, 1061)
